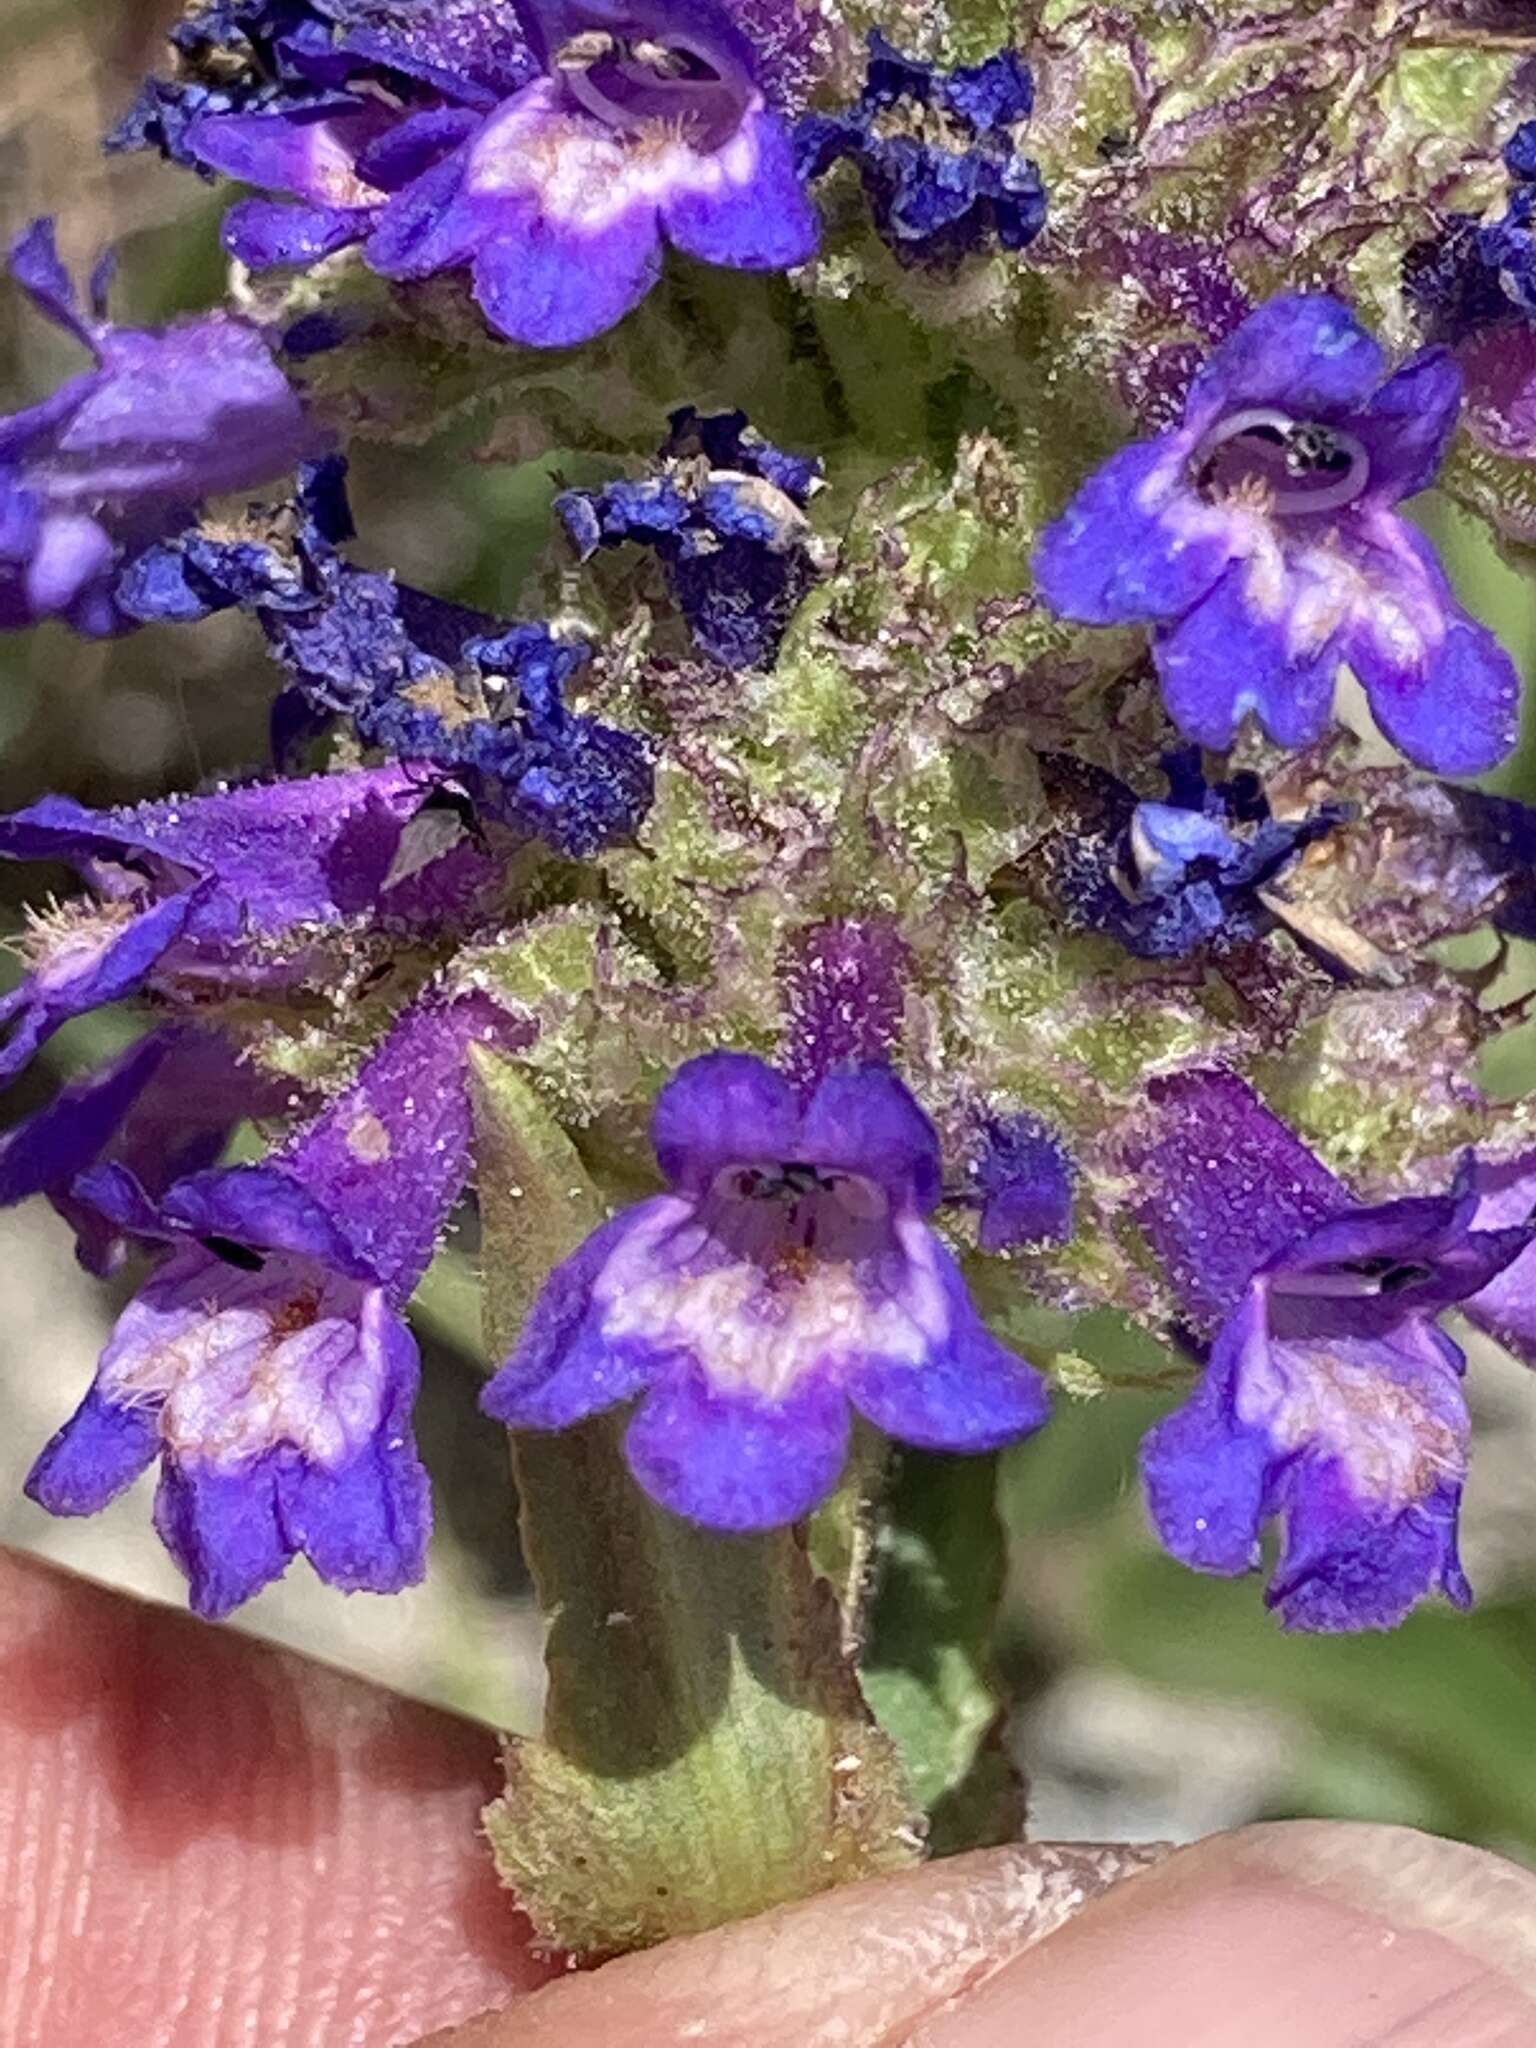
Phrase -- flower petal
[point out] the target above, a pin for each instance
(224, 1531)
(562, 1368)
(101, 1449)
(719, 1110)
(364, 1525)
(264, 233)
(1440, 686)
(552, 284)
(1409, 423)
(1226, 657)
(732, 1462)
(970, 1394)
(868, 1122)
(1304, 351)
(744, 205)
(1136, 542)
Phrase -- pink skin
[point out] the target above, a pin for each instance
(331, 1892)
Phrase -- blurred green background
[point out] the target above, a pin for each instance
(1149, 1701)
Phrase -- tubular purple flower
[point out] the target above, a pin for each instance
(646, 124)
(266, 1361)
(1260, 538)
(164, 1109)
(124, 452)
(789, 1275)
(1331, 1399)
(242, 888)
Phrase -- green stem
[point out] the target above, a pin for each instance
(707, 1750)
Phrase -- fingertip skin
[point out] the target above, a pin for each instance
(203, 1839)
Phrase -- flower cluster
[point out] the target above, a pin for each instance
(944, 943)
(551, 152)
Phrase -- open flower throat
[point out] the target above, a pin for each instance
(635, 79)
(1298, 467)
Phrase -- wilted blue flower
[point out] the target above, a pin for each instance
(725, 512)
(124, 452)
(481, 702)
(250, 888)
(1331, 1400)
(1166, 878)
(938, 152)
(613, 133)
(789, 1274)
(1261, 541)
(266, 1361)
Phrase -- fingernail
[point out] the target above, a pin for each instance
(1331, 1934)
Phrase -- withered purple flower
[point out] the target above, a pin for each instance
(1331, 1400)
(1261, 540)
(1166, 876)
(641, 125)
(267, 1362)
(788, 1276)
(724, 509)
(938, 152)
(124, 452)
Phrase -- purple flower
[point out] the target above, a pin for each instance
(253, 887)
(1331, 1399)
(641, 125)
(164, 1109)
(480, 702)
(725, 511)
(938, 152)
(789, 1273)
(1168, 877)
(266, 1361)
(124, 452)
(1260, 538)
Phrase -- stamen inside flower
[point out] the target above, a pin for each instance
(775, 1211)
(1294, 467)
(1356, 1279)
(632, 80)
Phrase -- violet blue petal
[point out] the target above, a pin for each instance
(1408, 425)
(752, 213)
(1303, 350)
(1025, 1180)
(1205, 1471)
(1440, 686)
(1340, 1573)
(364, 1525)
(34, 262)
(101, 1450)
(224, 1531)
(433, 224)
(969, 1394)
(264, 234)
(312, 155)
(1225, 1185)
(1226, 657)
(85, 972)
(1136, 542)
(551, 284)
(562, 1369)
(722, 1109)
(264, 1207)
(1506, 1307)
(868, 1122)
(413, 145)
(73, 551)
(49, 1148)
(731, 1461)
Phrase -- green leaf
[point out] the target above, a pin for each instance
(707, 1751)
(929, 1672)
